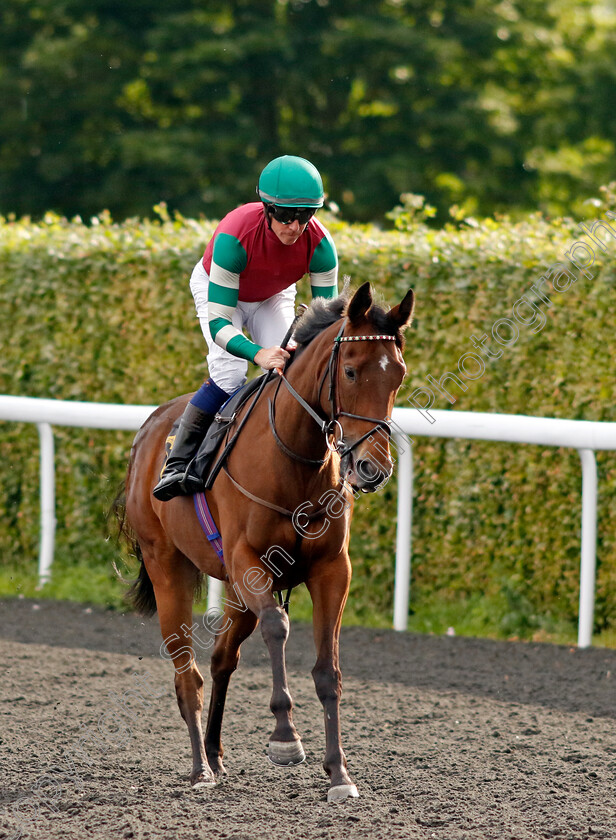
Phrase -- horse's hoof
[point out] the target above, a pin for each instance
(217, 768)
(339, 793)
(286, 753)
(203, 780)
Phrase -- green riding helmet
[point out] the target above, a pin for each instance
(291, 181)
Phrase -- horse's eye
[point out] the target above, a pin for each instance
(349, 372)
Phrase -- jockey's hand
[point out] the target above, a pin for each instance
(270, 358)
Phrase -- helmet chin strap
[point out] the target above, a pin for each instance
(268, 216)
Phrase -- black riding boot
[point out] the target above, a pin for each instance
(177, 479)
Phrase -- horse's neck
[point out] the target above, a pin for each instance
(293, 422)
(308, 373)
(284, 477)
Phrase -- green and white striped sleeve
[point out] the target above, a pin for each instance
(228, 261)
(324, 269)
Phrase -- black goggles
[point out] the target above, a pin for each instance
(286, 215)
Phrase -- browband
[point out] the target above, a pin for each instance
(365, 338)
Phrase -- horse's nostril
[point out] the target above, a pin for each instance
(368, 470)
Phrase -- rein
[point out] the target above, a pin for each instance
(231, 440)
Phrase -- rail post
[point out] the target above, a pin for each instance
(402, 586)
(48, 502)
(215, 589)
(588, 560)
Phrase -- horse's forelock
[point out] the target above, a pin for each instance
(383, 323)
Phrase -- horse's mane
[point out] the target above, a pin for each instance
(322, 313)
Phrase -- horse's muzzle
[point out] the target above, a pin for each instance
(364, 473)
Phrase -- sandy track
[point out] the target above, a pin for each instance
(446, 738)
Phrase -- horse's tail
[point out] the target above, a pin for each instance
(141, 592)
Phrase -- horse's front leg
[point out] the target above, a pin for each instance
(285, 746)
(329, 586)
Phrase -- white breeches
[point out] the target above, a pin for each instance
(267, 322)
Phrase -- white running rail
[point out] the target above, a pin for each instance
(585, 436)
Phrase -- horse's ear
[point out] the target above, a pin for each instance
(402, 314)
(360, 303)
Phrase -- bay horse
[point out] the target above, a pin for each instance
(317, 435)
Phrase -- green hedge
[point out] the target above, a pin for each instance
(102, 312)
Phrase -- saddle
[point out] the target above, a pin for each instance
(223, 422)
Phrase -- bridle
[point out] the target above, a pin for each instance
(328, 426)
(331, 426)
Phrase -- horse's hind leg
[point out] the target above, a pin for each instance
(235, 626)
(174, 599)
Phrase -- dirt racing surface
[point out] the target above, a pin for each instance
(446, 738)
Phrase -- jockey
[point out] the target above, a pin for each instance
(247, 279)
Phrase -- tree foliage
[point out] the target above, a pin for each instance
(486, 105)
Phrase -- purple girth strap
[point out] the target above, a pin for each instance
(206, 520)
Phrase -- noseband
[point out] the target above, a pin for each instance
(332, 428)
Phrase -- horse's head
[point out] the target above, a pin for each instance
(366, 370)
